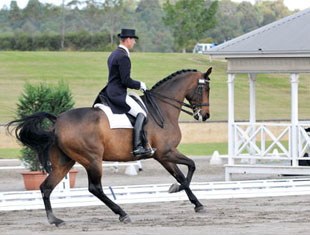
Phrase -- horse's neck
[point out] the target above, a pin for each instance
(175, 90)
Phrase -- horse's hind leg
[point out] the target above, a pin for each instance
(61, 165)
(94, 172)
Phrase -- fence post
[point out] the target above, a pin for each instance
(294, 118)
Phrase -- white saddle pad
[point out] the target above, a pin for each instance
(118, 120)
(115, 120)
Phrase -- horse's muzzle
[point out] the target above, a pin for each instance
(199, 117)
(206, 117)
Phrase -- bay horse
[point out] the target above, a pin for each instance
(83, 135)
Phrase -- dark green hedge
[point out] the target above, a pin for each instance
(52, 42)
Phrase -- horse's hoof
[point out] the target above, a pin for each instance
(125, 219)
(200, 209)
(174, 188)
(56, 221)
(59, 223)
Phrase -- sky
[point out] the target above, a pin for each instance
(291, 4)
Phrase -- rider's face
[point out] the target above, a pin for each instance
(130, 42)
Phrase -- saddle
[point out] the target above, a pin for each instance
(120, 120)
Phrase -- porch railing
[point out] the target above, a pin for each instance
(269, 141)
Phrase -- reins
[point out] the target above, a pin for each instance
(155, 111)
(157, 115)
(165, 98)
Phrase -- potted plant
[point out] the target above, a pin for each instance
(54, 99)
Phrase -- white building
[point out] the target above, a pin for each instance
(280, 47)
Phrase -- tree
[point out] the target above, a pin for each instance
(93, 14)
(249, 16)
(272, 11)
(15, 15)
(113, 16)
(34, 14)
(228, 22)
(163, 25)
(63, 27)
(152, 30)
(189, 19)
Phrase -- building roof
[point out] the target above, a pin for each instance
(287, 37)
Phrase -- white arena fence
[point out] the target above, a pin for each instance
(79, 197)
(114, 165)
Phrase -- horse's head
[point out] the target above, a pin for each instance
(198, 97)
(171, 91)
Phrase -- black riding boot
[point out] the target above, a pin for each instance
(140, 140)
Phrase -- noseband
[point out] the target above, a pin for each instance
(169, 100)
(196, 107)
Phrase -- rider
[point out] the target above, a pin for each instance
(115, 92)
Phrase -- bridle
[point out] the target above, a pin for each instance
(196, 107)
(199, 92)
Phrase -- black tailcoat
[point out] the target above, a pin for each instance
(114, 93)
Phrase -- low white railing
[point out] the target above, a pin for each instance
(303, 139)
(114, 165)
(269, 141)
(132, 168)
(27, 200)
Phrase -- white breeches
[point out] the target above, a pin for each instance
(135, 108)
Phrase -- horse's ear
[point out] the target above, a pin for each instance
(206, 75)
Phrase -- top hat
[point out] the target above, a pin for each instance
(128, 33)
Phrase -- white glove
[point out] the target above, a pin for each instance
(142, 86)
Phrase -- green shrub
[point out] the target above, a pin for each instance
(44, 98)
(30, 160)
(53, 99)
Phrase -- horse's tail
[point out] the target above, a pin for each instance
(32, 132)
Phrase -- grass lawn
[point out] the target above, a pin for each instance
(187, 149)
(86, 74)
(9, 153)
(205, 149)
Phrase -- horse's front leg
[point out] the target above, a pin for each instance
(178, 158)
(174, 170)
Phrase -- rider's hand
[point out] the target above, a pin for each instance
(143, 86)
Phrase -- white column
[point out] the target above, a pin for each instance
(252, 109)
(231, 118)
(252, 80)
(294, 118)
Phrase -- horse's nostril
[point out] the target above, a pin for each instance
(206, 117)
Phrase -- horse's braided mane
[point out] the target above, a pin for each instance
(172, 76)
